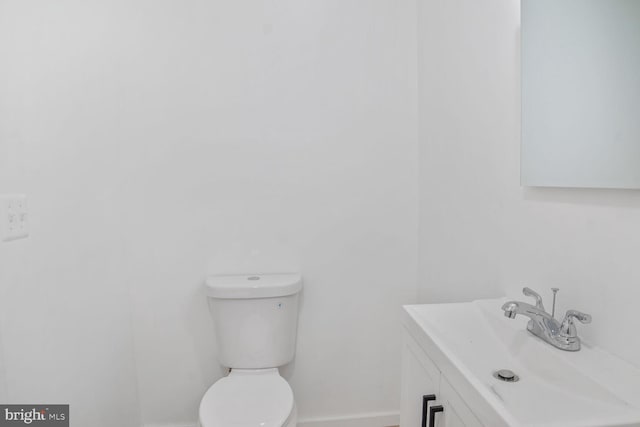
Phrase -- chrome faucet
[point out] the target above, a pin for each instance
(562, 335)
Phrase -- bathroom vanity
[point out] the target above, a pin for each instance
(455, 354)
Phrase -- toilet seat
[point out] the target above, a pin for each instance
(248, 398)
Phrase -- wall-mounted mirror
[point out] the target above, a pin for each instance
(581, 93)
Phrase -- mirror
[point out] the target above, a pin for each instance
(581, 93)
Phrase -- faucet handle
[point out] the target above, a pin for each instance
(531, 293)
(568, 328)
(575, 314)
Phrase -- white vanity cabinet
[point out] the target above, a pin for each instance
(420, 379)
(428, 399)
(453, 352)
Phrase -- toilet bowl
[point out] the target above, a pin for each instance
(255, 318)
(249, 398)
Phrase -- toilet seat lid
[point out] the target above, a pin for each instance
(247, 398)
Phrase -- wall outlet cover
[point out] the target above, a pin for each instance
(14, 217)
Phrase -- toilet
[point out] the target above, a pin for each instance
(256, 320)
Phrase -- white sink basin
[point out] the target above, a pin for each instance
(588, 388)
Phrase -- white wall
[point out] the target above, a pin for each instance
(273, 136)
(482, 234)
(65, 309)
(161, 141)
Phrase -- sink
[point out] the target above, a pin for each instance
(588, 388)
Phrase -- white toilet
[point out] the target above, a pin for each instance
(256, 319)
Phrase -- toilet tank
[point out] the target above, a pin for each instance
(255, 318)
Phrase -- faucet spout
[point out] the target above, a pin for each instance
(510, 309)
(513, 308)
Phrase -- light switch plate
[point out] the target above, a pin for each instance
(14, 217)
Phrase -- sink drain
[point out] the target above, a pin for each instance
(506, 375)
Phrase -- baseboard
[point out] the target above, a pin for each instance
(171, 425)
(385, 419)
(363, 420)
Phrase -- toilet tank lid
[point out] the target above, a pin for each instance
(253, 286)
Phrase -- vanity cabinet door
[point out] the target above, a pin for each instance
(446, 418)
(455, 413)
(420, 381)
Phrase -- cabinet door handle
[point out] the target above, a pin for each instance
(425, 406)
(432, 414)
